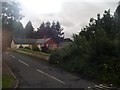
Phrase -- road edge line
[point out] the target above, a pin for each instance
(17, 81)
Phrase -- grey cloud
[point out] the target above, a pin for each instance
(67, 23)
(73, 15)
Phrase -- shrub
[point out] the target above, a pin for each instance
(35, 48)
(94, 51)
(20, 46)
(28, 48)
(49, 51)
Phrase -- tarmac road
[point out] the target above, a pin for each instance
(35, 73)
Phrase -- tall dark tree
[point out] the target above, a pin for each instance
(48, 24)
(117, 17)
(59, 29)
(95, 50)
(29, 30)
(47, 30)
(100, 43)
(10, 14)
(117, 20)
(59, 35)
(53, 25)
(117, 12)
(40, 31)
(18, 30)
(52, 31)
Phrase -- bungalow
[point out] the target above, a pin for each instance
(17, 42)
(49, 42)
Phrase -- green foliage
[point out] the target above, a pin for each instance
(8, 82)
(94, 51)
(53, 30)
(10, 13)
(49, 51)
(35, 48)
(28, 48)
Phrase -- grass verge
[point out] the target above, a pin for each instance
(40, 55)
(8, 82)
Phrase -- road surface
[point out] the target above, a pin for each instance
(35, 73)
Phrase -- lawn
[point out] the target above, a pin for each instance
(37, 54)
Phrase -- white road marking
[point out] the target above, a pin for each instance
(6, 52)
(12, 56)
(88, 87)
(23, 62)
(102, 86)
(50, 76)
(97, 86)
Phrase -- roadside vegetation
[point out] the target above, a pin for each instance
(8, 82)
(94, 52)
(43, 49)
(32, 51)
(35, 52)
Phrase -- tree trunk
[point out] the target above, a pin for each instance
(6, 38)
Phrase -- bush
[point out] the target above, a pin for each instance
(20, 46)
(28, 48)
(35, 48)
(94, 51)
(49, 51)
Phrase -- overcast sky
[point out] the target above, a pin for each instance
(72, 15)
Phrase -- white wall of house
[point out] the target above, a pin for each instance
(49, 44)
(13, 44)
(39, 46)
(24, 45)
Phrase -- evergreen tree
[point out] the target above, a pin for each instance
(40, 31)
(47, 30)
(10, 15)
(51, 31)
(18, 30)
(58, 35)
(59, 30)
(95, 50)
(117, 12)
(29, 30)
(117, 17)
(53, 26)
